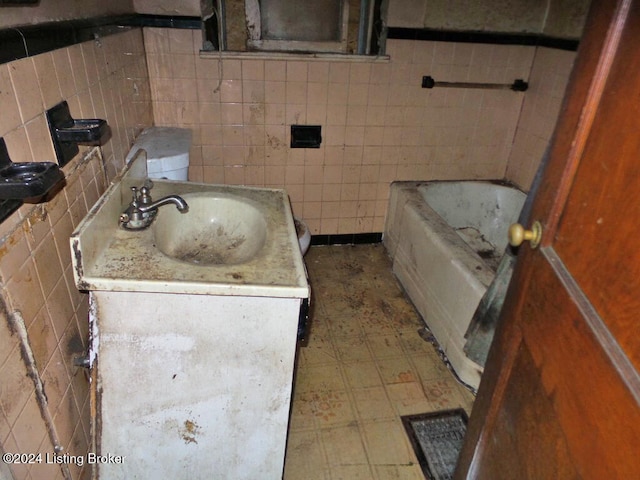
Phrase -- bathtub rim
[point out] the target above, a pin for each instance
(409, 188)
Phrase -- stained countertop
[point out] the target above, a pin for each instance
(108, 257)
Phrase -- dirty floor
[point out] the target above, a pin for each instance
(365, 366)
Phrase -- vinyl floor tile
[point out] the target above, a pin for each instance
(365, 365)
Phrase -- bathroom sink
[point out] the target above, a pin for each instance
(233, 240)
(217, 230)
(215, 292)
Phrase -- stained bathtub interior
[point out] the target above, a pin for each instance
(481, 221)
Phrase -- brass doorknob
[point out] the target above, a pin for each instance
(517, 234)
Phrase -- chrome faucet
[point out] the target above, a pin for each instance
(178, 201)
(142, 210)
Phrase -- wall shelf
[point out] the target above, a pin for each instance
(24, 181)
(67, 132)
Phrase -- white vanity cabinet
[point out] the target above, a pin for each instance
(194, 362)
(194, 386)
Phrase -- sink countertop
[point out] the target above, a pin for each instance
(107, 257)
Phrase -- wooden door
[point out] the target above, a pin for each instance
(560, 396)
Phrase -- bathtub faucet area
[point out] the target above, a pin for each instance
(142, 210)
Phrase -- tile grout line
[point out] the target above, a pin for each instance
(18, 326)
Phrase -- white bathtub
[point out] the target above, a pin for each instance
(446, 239)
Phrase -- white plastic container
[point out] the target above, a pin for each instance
(167, 151)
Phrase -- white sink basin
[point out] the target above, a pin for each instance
(232, 241)
(216, 230)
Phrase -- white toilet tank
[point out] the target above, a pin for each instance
(167, 151)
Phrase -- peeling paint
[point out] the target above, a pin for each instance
(77, 253)
(94, 337)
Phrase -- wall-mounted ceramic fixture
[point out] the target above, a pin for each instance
(306, 136)
(23, 180)
(67, 132)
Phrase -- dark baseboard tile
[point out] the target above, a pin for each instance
(347, 239)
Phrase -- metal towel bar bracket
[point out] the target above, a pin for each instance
(518, 85)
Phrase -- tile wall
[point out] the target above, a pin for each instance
(103, 79)
(378, 124)
(549, 77)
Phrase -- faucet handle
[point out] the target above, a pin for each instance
(145, 196)
(148, 183)
(134, 191)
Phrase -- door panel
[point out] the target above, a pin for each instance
(544, 444)
(560, 395)
(602, 210)
(592, 403)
